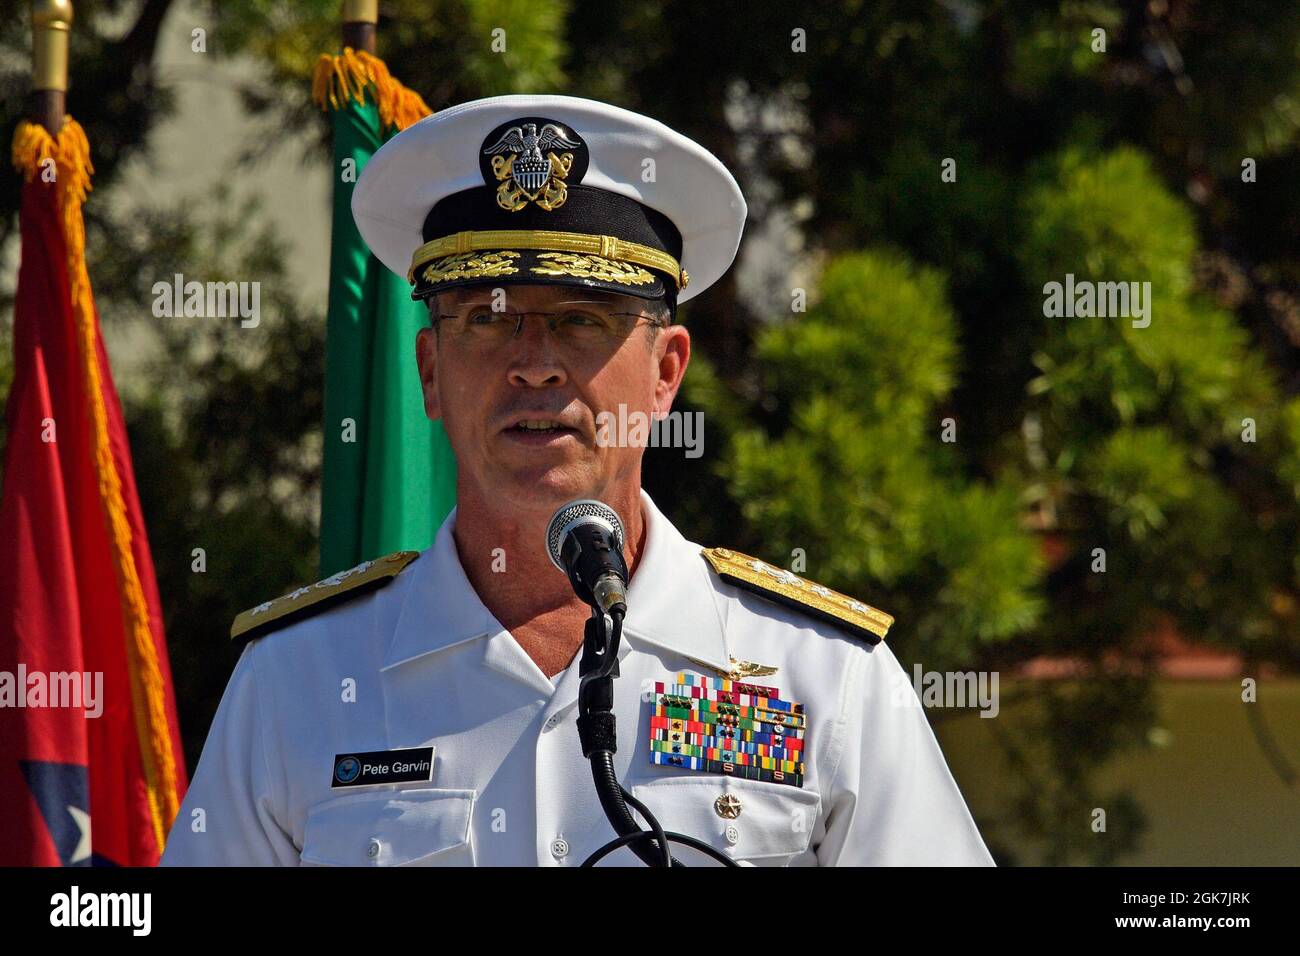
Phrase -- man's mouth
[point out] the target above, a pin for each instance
(538, 425)
(539, 429)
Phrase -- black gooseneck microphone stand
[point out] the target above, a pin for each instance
(585, 541)
(596, 730)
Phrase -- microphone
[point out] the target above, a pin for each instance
(585, 541)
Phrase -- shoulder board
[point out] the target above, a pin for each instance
(314, 598)
(784, 587)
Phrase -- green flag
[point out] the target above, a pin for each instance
(389, 475)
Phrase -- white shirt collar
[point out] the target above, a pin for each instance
(671, 599)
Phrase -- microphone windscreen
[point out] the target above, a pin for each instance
(569, 516)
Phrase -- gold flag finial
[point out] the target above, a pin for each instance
(51, 22)
(360, 19)
(360, 11)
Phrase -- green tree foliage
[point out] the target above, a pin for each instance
(856, 477)
(1144, 428)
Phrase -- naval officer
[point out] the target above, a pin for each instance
(420, 709)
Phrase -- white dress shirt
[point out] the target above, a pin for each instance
(421, 662)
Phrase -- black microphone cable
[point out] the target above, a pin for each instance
(596, 728)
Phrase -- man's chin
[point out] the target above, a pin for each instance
(546, 488)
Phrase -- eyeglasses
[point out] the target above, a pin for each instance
(581, 328)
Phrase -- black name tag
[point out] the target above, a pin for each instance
(382, 766)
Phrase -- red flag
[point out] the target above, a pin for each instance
(91, 767)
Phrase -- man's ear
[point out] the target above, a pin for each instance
(426, 357)
(673, 352)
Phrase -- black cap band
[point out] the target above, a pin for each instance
(588, 210)
(594, 238)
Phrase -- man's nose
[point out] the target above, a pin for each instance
(535, 357)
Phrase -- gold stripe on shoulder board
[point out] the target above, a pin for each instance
(785, 587)
(314, 598)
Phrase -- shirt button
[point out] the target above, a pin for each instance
(552, 721)
(559, 848)
(733, 834)
(372, 850)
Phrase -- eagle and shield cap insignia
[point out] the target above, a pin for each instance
(532, 159)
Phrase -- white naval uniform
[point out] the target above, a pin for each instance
(510, 786)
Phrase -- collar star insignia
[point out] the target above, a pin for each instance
(727, 806)
(740, 670)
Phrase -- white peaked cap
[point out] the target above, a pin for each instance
(549, 189)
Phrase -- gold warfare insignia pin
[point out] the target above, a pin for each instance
(532, 159)
(739, 670)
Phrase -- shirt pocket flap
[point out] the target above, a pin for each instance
(416, 827)
(745, 819)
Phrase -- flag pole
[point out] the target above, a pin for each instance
(51, 23)
(359, 20)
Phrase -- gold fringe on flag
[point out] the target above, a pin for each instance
(33, 148)
(348, 75)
